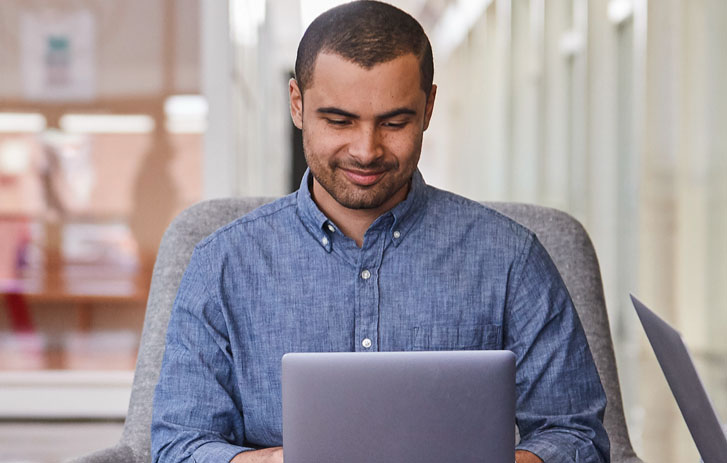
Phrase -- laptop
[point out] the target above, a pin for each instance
(685, 384)
(403, 407)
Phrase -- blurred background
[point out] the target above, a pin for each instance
(116, 115)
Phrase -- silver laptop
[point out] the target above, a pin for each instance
(403, 407)
(684, 382)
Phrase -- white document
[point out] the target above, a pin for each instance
(58, 55)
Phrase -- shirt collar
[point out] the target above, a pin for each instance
(408, 212)
(405, 214)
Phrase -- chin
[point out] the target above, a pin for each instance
(361, 203)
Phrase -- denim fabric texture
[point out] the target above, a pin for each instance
(437, 272)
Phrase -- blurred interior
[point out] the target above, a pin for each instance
(116, 115)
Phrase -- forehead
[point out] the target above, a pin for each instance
(342, 83)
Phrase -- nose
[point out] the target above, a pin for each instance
(365, 145)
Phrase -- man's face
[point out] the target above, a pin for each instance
(362, 129)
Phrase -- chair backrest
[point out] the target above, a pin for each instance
(571, 249)
(563, 237)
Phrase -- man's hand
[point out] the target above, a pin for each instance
(523, 456)
(271, 455)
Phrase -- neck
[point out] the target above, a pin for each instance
(353, 222)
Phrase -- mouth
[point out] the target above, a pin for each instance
(363, 177)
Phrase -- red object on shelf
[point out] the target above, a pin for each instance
(15, 233)
(19, 312)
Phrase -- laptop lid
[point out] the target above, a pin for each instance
(404, 407)
(685, 384)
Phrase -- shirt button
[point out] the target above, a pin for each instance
(366, 343)
(331, 228)
(397, 234)
(365, 274)
(324, 241)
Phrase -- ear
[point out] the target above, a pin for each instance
(296, 103)
(430, 106)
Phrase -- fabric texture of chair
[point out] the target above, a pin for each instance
(563, 237)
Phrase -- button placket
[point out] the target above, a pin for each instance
(367, 292)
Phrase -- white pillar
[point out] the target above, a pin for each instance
(219, 163)
(658, 219)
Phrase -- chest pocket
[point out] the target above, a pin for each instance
(461, 337)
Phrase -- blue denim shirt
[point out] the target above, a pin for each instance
(437, 272)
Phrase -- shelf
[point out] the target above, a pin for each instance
(64, 394)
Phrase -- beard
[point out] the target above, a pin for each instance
(329, 174)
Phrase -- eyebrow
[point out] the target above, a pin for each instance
(387, 115)
(338, 112)
(397, 112)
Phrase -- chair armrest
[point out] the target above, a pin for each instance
(632, 459)
(117, 454)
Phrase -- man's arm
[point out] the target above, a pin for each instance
(271, 455)
(197, 414)
(560, 400)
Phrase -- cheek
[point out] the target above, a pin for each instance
(320, 142)
(403, 144)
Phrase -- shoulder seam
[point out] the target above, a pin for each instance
(245, 219)
(464, 201)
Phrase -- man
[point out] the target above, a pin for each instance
(366, 257)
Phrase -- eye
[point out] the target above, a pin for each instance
(395, 124)
(337, 122)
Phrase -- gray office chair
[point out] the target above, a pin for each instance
(563, 237)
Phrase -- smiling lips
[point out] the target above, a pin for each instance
(363, 178)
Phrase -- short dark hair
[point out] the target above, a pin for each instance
(367, 33)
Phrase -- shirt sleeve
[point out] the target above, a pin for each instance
(197, 415)
(560, 399)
